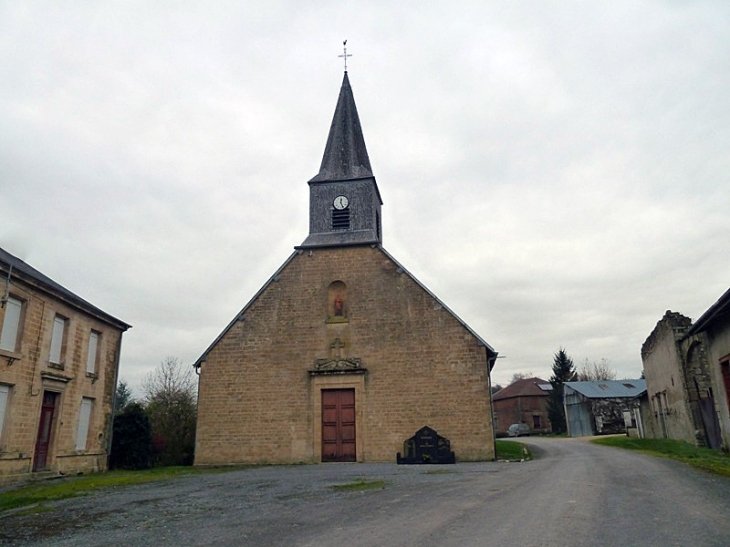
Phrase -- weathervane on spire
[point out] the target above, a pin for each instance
(345, 55)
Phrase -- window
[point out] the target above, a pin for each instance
(58, 340)
(4, 398)
(11, 324)
(93, 354)
(84, 417)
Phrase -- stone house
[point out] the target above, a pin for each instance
(523, 401)
(687, 369)
(603, 407)
(343, 354)
(59, 357)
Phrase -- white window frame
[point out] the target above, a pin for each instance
(92, 356)
(11, 324)
(4, 400)
(82, 432)
(57, 339)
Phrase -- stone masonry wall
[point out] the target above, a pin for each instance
(28, 373)
(258, 403)
(665, 385)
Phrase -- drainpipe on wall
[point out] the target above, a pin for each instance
(490, 365)
(110, 426)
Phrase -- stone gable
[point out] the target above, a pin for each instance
(410, 361)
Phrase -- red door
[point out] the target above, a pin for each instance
(338, 425)
(45, 430)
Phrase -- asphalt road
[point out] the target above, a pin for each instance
(573, 494)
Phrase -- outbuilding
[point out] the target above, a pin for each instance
(604, 407)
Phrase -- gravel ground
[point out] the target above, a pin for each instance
(574, 494)
(248, 500)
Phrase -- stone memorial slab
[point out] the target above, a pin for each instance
(426, 446)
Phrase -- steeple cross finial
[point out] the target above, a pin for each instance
(345, 55)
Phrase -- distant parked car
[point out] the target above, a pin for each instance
(517, 430)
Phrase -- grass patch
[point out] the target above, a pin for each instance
(358, 485)
(511, 450)
(69, 487)
(707, 459)
(438, 472)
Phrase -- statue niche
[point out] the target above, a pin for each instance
(337, 302)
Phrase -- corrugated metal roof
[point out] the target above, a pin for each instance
(606, 389)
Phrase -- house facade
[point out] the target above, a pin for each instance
(687, 369)
(343, 354)
(524, 401)
(59, 357)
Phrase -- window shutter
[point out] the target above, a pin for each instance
(57, 340)
(4, 396)
(9, 336)
(91, 357)
(84, 417)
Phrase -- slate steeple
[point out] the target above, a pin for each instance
(344, 200)
(345, 155)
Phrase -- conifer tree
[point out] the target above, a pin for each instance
(563, 371)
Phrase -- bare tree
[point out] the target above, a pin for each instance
(596, 371)
(170, 402)
(520, 376)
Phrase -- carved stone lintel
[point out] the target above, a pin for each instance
(342, 365)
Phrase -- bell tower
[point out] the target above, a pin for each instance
(344, 201)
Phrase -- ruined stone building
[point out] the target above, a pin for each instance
(343, 354)
(59, 358)
(687, 369)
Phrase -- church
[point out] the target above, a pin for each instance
(343, 354)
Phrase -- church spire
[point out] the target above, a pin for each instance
(344, 201)
(345, 155)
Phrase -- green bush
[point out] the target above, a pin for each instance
(132, 440)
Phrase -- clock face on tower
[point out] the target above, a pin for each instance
(341, 202)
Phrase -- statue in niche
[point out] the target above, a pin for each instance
(336, 302)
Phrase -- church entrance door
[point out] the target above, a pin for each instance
(338, 425)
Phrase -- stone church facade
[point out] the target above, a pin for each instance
(343, 354)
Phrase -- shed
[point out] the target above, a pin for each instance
(604, 407)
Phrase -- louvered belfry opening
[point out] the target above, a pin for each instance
(341, 219)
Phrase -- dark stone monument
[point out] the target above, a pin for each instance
(426, 446)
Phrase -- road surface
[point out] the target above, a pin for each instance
(574, 494)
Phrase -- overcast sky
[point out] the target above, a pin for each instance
(556, 172)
